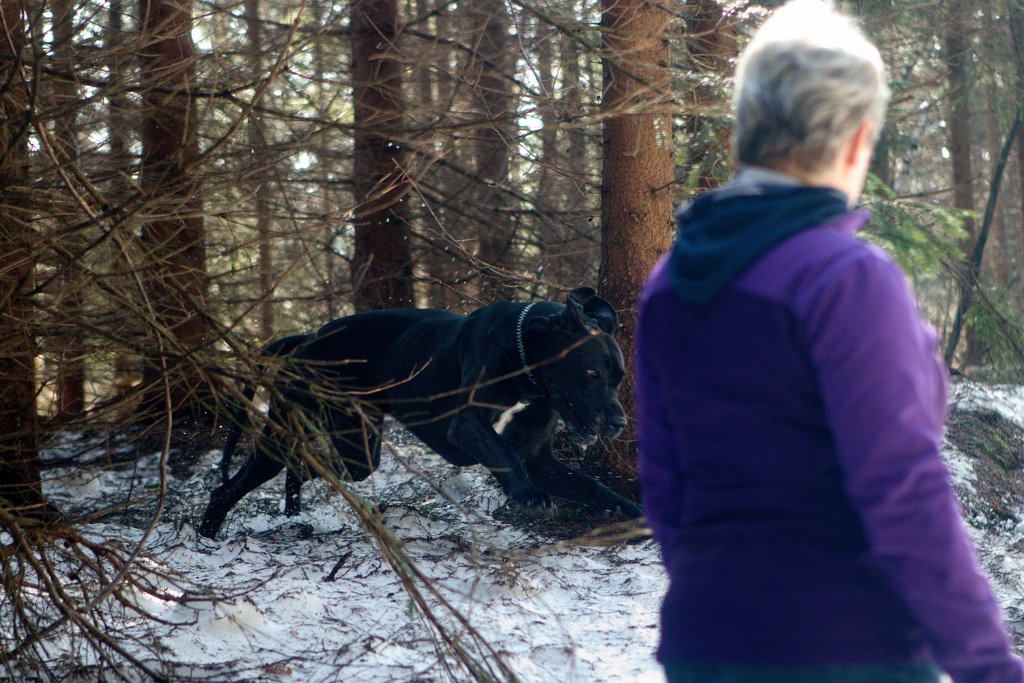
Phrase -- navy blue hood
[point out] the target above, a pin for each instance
(722, 233)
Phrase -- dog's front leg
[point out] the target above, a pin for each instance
(565, 482)
(471, 431)
(530, 433)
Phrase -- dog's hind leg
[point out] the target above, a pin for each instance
(357, 442)
(279, 347)
(357, 445)
(266, 460)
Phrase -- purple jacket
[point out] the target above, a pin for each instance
(789, 456)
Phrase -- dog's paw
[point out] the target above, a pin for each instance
(629, 509)
(531, 497)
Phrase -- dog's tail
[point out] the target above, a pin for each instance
(279, 347)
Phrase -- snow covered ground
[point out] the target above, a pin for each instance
(310, 598)
(992, 499)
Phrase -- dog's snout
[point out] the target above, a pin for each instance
(615, 422)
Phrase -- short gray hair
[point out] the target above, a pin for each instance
(807, 80)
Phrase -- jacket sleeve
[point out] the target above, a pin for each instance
(885, 394)
(658, 464)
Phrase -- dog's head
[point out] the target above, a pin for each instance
(583, 380)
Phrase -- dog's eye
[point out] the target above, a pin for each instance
(593, 373)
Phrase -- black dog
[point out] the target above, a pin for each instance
(447, 378)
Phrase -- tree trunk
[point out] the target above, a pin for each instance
(1015, 13)
(973, 266)
(69, 343)
(579, 150)
(489, 71)
(999, 257)
(431, 61)
(381, 262)
(19, 430)
(636, 206)
(119, 166)
(172, 231)
(261, 177)
(576, 144)
(957, 54)
(711, 44)
(549, 186)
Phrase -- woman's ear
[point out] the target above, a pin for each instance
(862, 144)
(858, 160)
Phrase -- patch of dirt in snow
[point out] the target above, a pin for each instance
(985, 453)
(994, 448)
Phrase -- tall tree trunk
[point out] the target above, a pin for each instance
(973, 266)
(70, 344)
(331, 232)
(636, 199)
(957, 55)
(119, 164)
(556, 191)
(549, 185)
(381, 262)
(576, 144)
(1015, 12)
(173, 232)
(711, 43)
(261, 176)
(19, 430)
(999, 257)
(489, 72)
(429, 89)
(580, 149)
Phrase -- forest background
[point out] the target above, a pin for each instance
(182, 181)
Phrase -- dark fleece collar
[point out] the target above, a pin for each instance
(723, 233)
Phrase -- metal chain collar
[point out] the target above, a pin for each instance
(519, 343)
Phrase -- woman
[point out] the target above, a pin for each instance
(791, 404)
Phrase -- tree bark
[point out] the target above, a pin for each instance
(173, 232)
(261, 177)
(998, 258)
(70, 344)
(957, 54)
(576, 136)
(489, 71)
(382, 261)
(636, 198)
(548, 186)
(711, 43)
(20, 485)
(1015, 12)
(119, 166)
(973, 265)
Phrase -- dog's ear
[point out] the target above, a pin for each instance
(602, 313)
(575, 317)
(581, 295)
(585, 303)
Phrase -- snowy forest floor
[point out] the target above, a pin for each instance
(312, 598)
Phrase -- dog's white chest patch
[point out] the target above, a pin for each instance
(506, 417)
